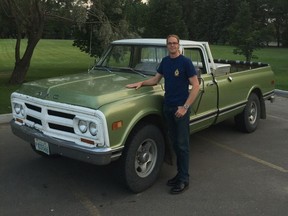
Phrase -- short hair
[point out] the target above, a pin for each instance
(173, 35)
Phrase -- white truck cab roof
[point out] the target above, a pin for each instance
(154, 41)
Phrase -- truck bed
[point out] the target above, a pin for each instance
(232, 66)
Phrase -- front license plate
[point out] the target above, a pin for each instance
(42, 146)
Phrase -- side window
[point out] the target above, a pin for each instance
(196, 56)
(153, 54)
(149, 58)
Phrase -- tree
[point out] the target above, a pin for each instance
(278, 15)
(136, 14)
(28, 17)
(105, 23)
(208, 20)
(6, 30)
(225, 14)
(244, 33)
(204, 28)
(165, 17)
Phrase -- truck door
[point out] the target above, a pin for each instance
(204, 109)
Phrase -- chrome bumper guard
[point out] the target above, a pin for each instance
(67, 149)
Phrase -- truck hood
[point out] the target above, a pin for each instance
(85, 89)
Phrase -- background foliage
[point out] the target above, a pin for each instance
(105, 20)
(247, 25)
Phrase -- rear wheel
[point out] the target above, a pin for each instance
(143, 157)
(248, 120)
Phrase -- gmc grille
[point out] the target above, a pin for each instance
(49, 118)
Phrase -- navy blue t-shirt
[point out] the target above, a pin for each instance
(176, 72)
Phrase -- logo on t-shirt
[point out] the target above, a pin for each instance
(176, 73)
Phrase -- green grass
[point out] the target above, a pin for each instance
(59, 57)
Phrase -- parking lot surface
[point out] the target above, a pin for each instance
(232, 173)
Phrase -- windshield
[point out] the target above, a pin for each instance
(144, 59)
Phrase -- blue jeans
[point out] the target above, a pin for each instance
(178, 130)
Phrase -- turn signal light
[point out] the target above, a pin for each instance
(19, 120)
(116, 125)
(90, 142)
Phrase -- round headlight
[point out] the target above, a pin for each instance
(82, 125)
(93, 128)
(18, 108)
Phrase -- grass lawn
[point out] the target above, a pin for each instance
(59, 57)
(51, 58)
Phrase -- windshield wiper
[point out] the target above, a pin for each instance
(133, 70)
(99, 67)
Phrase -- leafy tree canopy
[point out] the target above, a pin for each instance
(164, 18)
(106, 22)
(244, 33)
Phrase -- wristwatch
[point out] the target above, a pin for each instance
(186, 106)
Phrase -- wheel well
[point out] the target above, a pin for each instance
(159, 122)
(258, 92)
(152, 119)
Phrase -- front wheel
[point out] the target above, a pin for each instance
(143, 157)
(248, 120)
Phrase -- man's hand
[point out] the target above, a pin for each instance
(134, 85)
(181, 111)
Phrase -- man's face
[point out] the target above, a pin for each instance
(173, 45)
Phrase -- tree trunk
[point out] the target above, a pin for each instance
(19, 72)
(22, 65)
(30, 23)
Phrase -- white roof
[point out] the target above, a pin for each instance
(153, 41)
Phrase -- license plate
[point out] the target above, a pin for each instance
(42, 146)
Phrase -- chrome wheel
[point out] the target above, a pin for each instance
(253, 113)
(146, 158)
(248, 120)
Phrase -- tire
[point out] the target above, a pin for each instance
(248, 120)
(142, 157)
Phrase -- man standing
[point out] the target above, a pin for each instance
(178, 72)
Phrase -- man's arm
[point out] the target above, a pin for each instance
(149, 82)
(194, 92)
(191, 98)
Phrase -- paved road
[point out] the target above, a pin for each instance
(231, 174)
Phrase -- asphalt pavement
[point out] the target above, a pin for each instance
(232, 173)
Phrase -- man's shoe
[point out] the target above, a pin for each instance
(172, 182)
(179, 187)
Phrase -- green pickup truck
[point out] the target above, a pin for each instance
(92, 117)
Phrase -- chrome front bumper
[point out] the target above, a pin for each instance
(64, 148)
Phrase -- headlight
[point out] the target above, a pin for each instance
(89, 130)
(93, 128)
(82, 125)
(19, 109)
